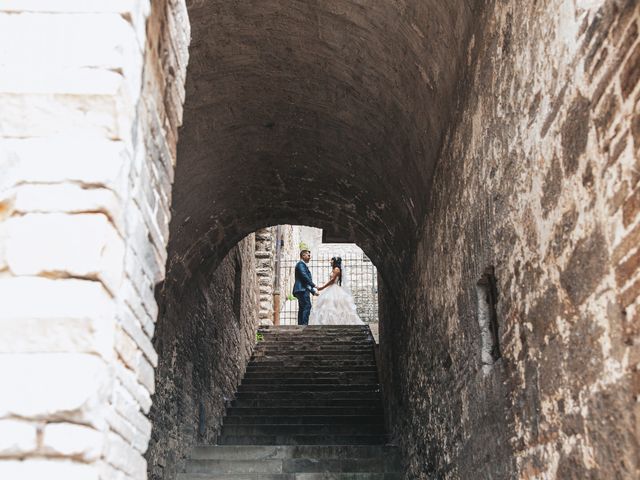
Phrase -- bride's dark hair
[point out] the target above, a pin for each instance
(337, 262)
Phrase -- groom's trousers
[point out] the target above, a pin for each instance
(304, 307)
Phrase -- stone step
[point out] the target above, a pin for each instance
(299, 344)
(321, 354)
(313, 338)
(280, 380)
(354, 397)
(289, 476)
(255, 452)
(319, 342)
(287, 403)
(309, 408)
(347, 336)
(309, 387)
(314, 362)
(289, 370)
(302, 419)
(276, 351)
(320, 328)
(304, 429)
(301, 439)
(294, 465)
(258, 407)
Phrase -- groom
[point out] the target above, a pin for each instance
(303, 287)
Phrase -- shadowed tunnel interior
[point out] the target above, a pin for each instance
(328, 114)
(476, 152)
(324, 113)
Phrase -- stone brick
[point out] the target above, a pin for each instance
(584, 270)
(69, 316)
(127, 419)
(628, 242)
(17, 438)
(628, 268)
(61, 107)
(630, 294)
(631, 208)
(133, 327)
(70, 440)
(68, 198)
(129, 380)
(82, 245)
(630, 74)
(88, 161)
(119, 454)
(70, 387)
(58, 469)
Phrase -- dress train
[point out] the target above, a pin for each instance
(334, 306)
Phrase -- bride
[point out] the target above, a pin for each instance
(335, 306)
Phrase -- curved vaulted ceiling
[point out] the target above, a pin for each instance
(328, 113)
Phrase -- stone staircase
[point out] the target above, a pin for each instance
(309, 408)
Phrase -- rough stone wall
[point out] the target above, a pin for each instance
(205, 336)
(539, 179)
(90, 95)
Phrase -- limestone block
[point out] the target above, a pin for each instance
(98, 41)
(67, 439)
(127, 348)
(45, 315)
(50, 469)
(127, 420)
(83, 245)
(130, 382)
(82, 103)
(145, 374)
(73, 387)
(73, 6)
(88, 161)
(68, 198)
(119, 454)
(132, 298)
(138, 238)
(133, 11)
(132, 326)
(142, 285)
(17, 437)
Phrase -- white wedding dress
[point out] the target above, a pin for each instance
(334, 306)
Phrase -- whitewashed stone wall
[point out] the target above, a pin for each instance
(90, 101)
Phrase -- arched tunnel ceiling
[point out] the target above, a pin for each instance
(327, 113)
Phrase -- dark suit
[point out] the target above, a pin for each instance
(302, 289)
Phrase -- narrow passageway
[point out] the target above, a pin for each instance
(442, 139)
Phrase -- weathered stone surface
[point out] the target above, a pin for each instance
(205, 336)
(86, 161)
(69, 316)
(541, 199)
(69, 440)
(54, 386)
(58, 245)
(17, 437)
(38, 468)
